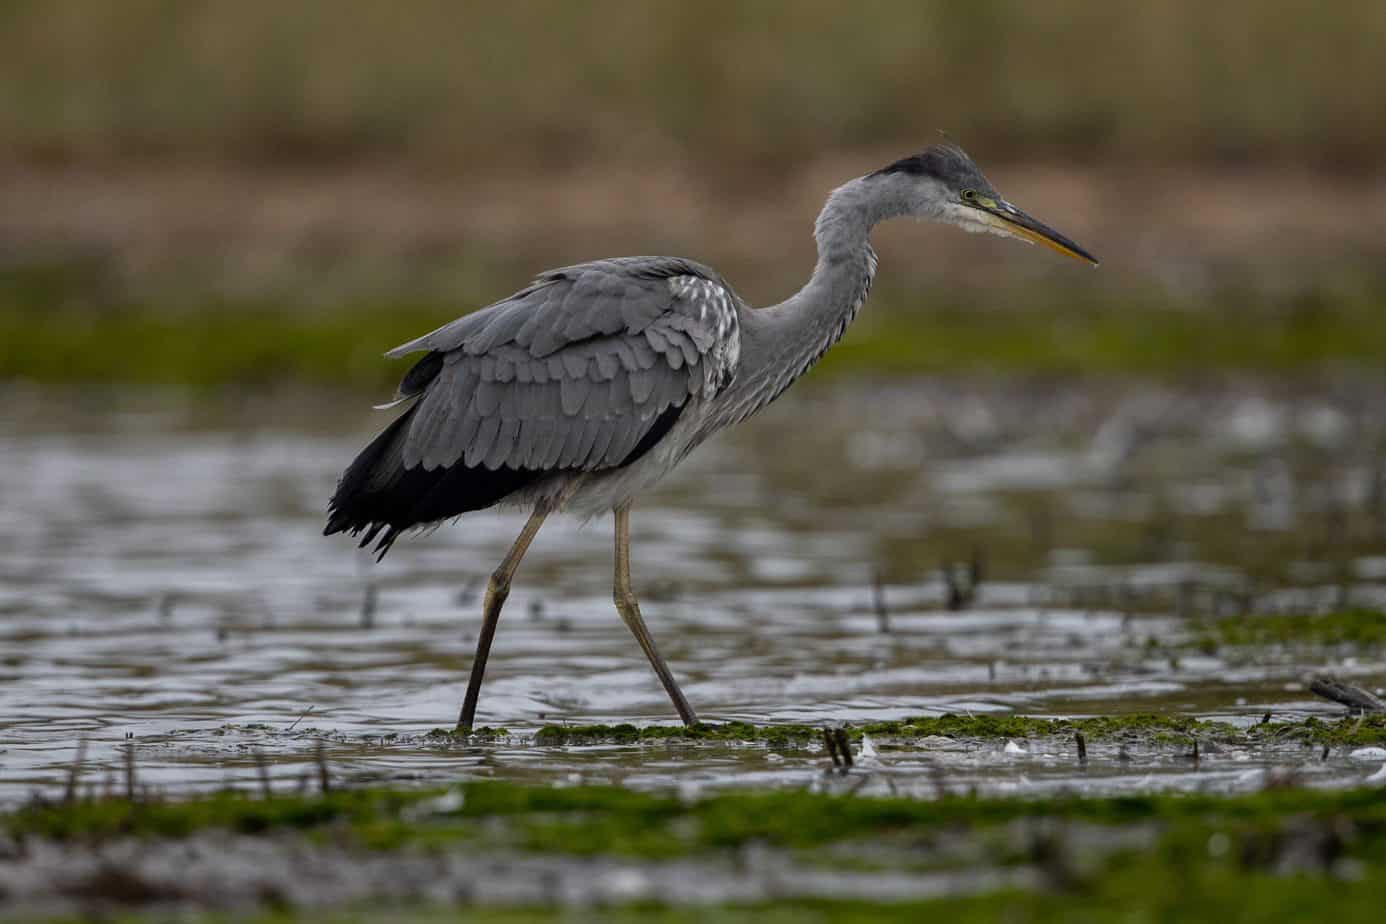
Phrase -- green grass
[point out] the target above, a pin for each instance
(589, 820)
(1353, 732)
(1365, 628)
(260, 344)
(1156, 729)
(1281, 854)
(51, 332)
(997, 727)
(1151, 894)
(1053, 331)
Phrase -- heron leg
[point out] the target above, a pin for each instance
(497, 589)
(629, 608)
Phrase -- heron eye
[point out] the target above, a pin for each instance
(969, 195)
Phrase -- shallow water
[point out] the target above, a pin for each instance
(164, 585)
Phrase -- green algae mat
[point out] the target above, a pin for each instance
(502, 851)
(505, 852)
(201, 341)
(1362, 730)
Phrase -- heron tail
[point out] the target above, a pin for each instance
(378, 498)
(361, 502)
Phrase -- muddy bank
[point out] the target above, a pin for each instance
(196, 230)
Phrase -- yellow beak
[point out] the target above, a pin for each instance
(1013, 221)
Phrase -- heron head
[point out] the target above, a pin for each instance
(943, 184)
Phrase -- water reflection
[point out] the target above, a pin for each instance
(162, 576)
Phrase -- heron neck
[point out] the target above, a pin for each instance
(783, 341)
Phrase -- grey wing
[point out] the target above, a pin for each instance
(575, 371)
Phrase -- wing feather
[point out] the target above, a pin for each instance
(554, 444)
(607, 364)
(576, 370)
(505, 444)
(642, 386)
(572, 438)
(488, 395)
(574, 394)
(574, 363)
(538, 433)
(590, 430)
(606, 430)
(466, 435)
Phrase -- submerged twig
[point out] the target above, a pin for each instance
(961, 595)
(74, 773)
(368, 604)
(878, 602)
(324, 778)
(1082, 749)
(300, 718)
(839, 749)
(844, 745)
(830, 743)
(957, 596)
(976, 568)
(130, 790)
(262, 770)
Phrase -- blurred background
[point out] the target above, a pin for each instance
(276, 192)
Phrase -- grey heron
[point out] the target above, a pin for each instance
(588, 385)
